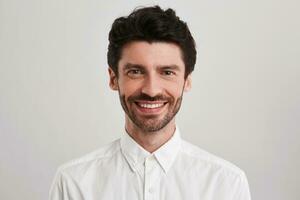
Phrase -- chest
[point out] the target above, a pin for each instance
(150, 182)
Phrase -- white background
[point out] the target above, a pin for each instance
(55, 103)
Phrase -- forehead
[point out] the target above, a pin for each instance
(151, 54)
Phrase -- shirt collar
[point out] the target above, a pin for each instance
(136, 154)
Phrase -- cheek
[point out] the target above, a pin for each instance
(129, 87)
(175, 90)
(128, 92)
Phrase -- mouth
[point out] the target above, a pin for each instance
(150, 107)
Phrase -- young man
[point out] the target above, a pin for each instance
(151, 55)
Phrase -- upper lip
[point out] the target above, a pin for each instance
(150, 102)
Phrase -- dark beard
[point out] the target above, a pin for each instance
(151, 124)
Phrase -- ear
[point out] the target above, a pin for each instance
(188, 83)
(113, 81)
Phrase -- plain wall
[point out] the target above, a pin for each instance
(55, 103)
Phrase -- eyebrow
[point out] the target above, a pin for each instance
(173, 67)
(131, 65)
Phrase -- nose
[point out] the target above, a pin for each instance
(151, 86)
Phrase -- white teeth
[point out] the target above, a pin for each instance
(151, 105)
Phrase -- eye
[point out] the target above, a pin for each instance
(168, 73)
(134, 72)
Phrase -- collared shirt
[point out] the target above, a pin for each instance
(123, 170)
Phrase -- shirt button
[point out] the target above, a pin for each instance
(151, 190)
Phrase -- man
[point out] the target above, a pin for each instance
(151, 55)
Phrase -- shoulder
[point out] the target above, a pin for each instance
(205, 159)
(81, 164)
(217, 173)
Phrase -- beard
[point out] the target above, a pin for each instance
(150, 123)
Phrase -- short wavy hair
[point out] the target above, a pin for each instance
(151, 24)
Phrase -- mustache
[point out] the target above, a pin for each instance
(145, 97)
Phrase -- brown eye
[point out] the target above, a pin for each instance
(168, 73)
(134, 72)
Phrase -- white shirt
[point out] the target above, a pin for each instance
(124, 170)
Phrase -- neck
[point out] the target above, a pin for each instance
(150, 141)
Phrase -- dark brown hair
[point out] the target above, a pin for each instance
(151, 24)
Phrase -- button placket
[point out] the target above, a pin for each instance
(149, 169)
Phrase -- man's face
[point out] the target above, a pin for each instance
(150, 83)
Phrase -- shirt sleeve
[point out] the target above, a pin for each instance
(55, 192)
(64, 187)
(242, 189)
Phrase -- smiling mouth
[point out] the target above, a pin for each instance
(150, 107)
